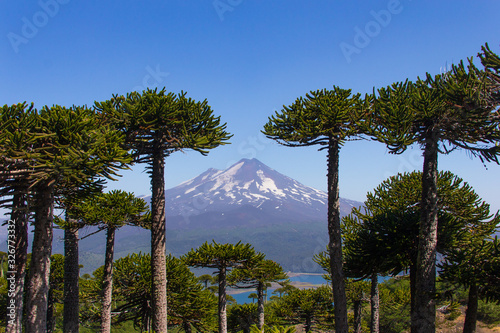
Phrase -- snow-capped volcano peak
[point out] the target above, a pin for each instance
(247, 182)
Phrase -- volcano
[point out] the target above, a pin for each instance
(249, 193)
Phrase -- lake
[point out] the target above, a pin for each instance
(298, 279)
(303, 280)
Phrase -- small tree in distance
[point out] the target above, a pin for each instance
(222, 257)
(111, 211)
(257, 276)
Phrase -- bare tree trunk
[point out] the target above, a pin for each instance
(39, 273)
(50, 311)
(413, 292)
(260, 305)
(187, 327)
(424, 316)
(222, 301)
(308, 324)
(375, 305)
(107, 287)
(471, 312)
(71, 320)
(335, 243)
(19, 219)
(357, 315)
(158, 248)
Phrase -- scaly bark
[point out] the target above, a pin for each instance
(51, 322)
(158, 243)
(424, 315)
(357, 315)
(39, 273)
(335, 243)
(71, 320)
(375, 305)
(413, 291)
(222, 300)
(20, 220)
(108, 281)
(471, 312)
(260, 305)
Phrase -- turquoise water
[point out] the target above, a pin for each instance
(242, 298)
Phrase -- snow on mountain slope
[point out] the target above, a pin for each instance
(250, 184)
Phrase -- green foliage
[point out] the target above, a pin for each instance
(356, 290)
(285, 288)
(475, 262)
(395, 305)
(77, 145)
(315, 118)
(488, 312)
(160, 122)
(18, 134)
(188, 302)
(310, 307)
(113, 210)
(262, 272)
(241, 317)
(215, 255)
(385, 237)
(453, 311)
(3, 301)
(456, 106)
(272, 329)
(57, 277)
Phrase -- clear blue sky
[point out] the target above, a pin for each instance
(248, 58)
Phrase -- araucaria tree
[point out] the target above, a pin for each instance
(17, 134)
(474, 264)
(454, 110)
(66, 198)
(326, 118)
(257, 276)
(383, 238)
(71, 145)
(111, 211)
(222, 257)
(157, 124)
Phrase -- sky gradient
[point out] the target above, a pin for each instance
(248, 59)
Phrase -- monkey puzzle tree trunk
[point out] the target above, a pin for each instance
(50, 312)
(71, 318)
(39, 273)
(374, 304)
(357, 315)
(335, 243)
(158, 242)
(308, 324)
(424, 314)
(107, 284)
(413, 290)
(471, 312)
(222, 300)
(187, 327)
(260, 305)
(19, 218)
